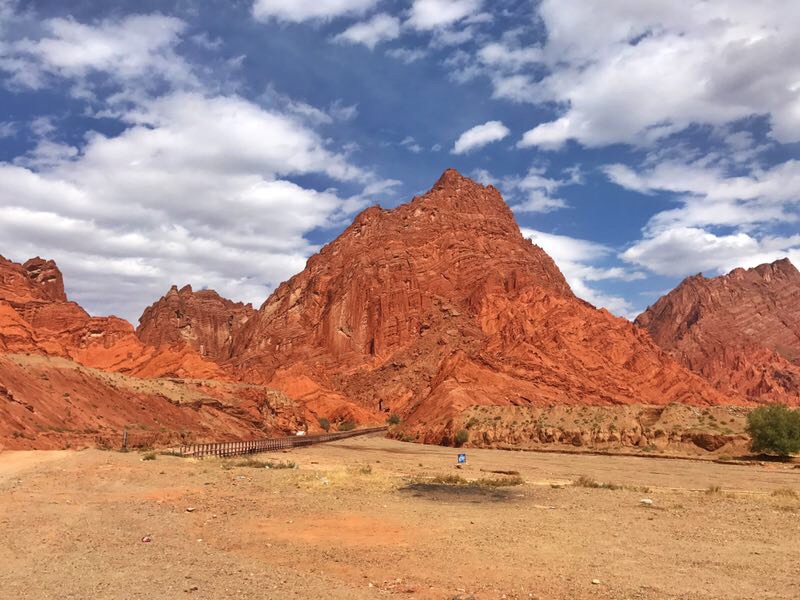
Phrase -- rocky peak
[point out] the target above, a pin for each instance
(742, 329)
(35, 280)
(440, 304)
(203, 319)
(47, 276)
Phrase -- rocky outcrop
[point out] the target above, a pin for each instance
(741, 331)
(71, 380)
(36, 279)
(204, 320)
(48, 402)
(650, 429)
(37, 317)
(440, 305)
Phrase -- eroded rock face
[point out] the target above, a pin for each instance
(71, 380)
(36, 316)
(741, 331)
(204, 320)
(441, 304)
(45, 275)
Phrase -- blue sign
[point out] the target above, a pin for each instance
(462, 458)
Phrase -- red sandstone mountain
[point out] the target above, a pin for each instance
(741, 331)
(440, 305)
(68, 378)
(204, 320)
(36, 316)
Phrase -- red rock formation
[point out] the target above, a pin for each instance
(441, 304)
(50, 402)
(57, 388)
(741, 331)
(204, 320)
(36, 316)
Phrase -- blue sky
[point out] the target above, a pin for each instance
(221, 143)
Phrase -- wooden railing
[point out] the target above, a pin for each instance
(270, 445)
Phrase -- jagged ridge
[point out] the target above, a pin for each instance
(740, 330)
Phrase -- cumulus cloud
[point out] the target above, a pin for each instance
(539, 192)
(479, 136)
(381, 27)
(634, 73)
(708, 197)
(578, 259)
(167, 199)
(435, 14)
(136, 48)
(297, 11)
(686, 250)
(684, 240)
(194, 187)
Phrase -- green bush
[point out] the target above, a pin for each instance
(347, 426)
(774, 429)
(325, 424)
(462, 437)
(394, 420)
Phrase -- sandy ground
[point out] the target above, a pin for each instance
(361, 519)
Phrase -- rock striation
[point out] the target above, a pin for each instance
(440, 305)
(204, 320)
(741, 331)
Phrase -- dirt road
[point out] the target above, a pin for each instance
(365, 518)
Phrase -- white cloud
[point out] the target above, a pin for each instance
(381, 27)
(136, 48)
(407, 55)
(577, 259)
(539, 201)
(191, 191)
(539, 191)
(305, 10)
(501, 55)
(683, 240)
(708, 197)
(434, 14)
(412, 145)
(7, 129)
(636, 72)
(195, 187)
(683, 251)
(479, 136)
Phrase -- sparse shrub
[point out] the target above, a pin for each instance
(448, 480)
(713, 489)
(394, 420)
(325, 424)
(786, 493)
(462, 437)
(254, 463)
(588, 482)
(487, 482)
(149, 456)
(501, 481)
(774, 429)
(347, 426)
